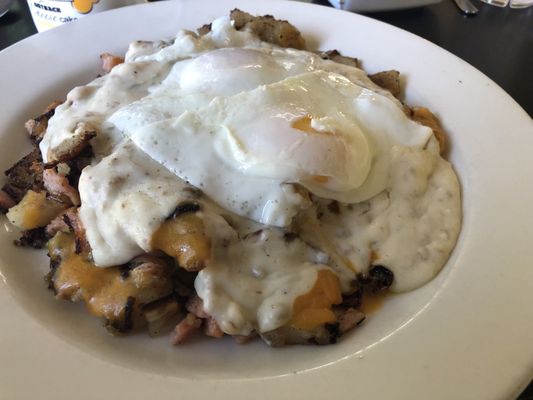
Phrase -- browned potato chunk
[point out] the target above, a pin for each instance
(34, 210)
(389, 80)
(269, 29)
(425, 117)
(25, 174)
(337, 57)
(159, 314)
(69, 149)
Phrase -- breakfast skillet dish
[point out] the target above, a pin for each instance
(232, 183)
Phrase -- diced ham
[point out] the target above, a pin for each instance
(69, 221)
(58, 224)
(185, 329)
(212, 329)
(109, 61)
(195, 306)
(6, 201)
(59, 186)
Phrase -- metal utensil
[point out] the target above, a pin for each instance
(466, 7)
(4, 6)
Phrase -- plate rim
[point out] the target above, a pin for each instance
(308, 375)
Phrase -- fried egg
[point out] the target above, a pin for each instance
(336, 144)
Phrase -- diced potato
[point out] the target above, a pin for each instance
(34, 211)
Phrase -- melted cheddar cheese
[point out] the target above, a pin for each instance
(314, 307)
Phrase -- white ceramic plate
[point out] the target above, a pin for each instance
(466, 335)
